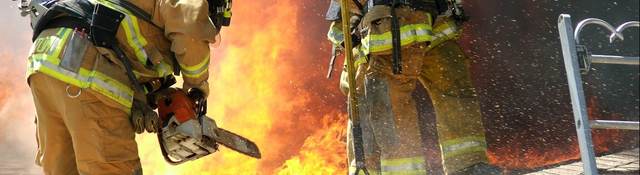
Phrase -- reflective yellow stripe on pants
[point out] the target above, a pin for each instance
(352, 171)
(465, 145)
(443, 32)
(404, 166)
(48, 63)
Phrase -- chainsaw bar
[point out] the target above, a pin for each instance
(237, 143)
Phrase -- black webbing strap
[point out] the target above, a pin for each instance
(104, 26)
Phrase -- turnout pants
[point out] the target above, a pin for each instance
(391, 130)
(79, 134)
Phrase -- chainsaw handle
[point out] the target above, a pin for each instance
(199, 98)
(164, 152)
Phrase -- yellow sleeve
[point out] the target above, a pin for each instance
(188, 27)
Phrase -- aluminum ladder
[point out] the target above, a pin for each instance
(577, 61)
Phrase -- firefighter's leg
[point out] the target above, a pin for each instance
(100, 135)
(459, 122)
(55, 151)
(393, 114)
(371, 150)
(103, 137)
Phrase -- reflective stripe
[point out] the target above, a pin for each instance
(163, 69)
(131, 29)
(362, 56)
(408, 34)
(196, 70)
(86, 79)
(465, 145)
(413, 165)
(48, 63)
(352, 171)
(444, 32)
(335, 35)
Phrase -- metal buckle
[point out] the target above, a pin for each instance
(73, 96)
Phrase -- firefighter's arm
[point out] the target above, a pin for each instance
(188, 27)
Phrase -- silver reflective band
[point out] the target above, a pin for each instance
(461, 146)
(198, 71)
(405, 167)
(100, 83)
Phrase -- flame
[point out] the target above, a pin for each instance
(526, 155)
(322, 153)
(261, 89)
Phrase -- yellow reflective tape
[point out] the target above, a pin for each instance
(135, 39)
(48, 63)
(444, 32)
(412, 165)
(194, 75)
(163, 69)
(463, 139)
(352, 171)
(454, 147)
(63, 42)
(408, 35)
(84, 79)
(335, 35)
(111, 88)
(402, 161)
(467, 151)
(39, 63)
(196, 70)
(136, 28)
(362, 56)
(413, 172)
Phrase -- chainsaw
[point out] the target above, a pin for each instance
(188, 134)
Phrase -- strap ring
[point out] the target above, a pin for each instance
(73, 96)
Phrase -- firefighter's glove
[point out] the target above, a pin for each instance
(144, 118)
(203, 87)
(354, 22)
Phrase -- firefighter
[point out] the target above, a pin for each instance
(336, 37)
(430, 56)
(91, 66)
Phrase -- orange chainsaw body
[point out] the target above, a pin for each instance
(177, 104)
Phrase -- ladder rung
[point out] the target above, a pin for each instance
(613, 124)
(614, 59)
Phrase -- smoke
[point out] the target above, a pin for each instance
(17, 128)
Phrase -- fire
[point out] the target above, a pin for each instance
(528, 155)
(320, 153)
(263, 88)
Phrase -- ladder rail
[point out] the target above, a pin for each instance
(574, 54)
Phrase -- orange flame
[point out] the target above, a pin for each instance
(323, 152)
(260, 90)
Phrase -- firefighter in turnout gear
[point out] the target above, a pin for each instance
(429, 55)
(93, 62)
